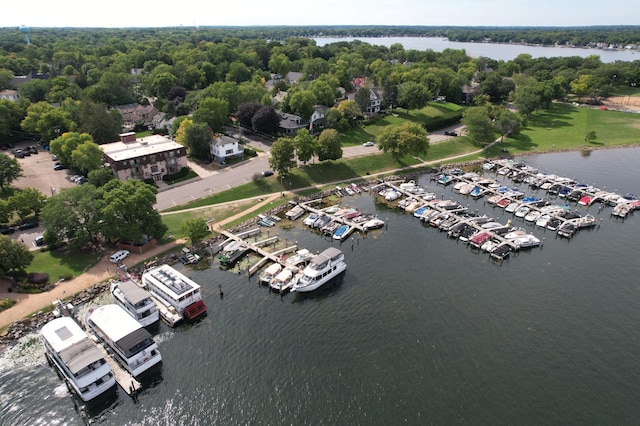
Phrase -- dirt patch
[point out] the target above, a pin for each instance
(623, 103)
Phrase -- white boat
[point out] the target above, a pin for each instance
(374, 223)
(301, 257)
(174, 289)
(320, 270)
(407, 185)
(132, 345)
(392, 195)
(309, 220)
(295, 213)
(269, 274)
(512, 207)
(285, 279)
(136, 301)
(532, 216)
(543, 220)
(342, 232)
(526, 240)
(522, 211)
(77, 358)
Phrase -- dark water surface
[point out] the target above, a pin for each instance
(419, 330)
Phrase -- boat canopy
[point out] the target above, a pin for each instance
(80, 355)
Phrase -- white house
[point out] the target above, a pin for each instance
(10, 95)
(223, 147)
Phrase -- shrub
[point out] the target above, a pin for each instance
(182, 173)
(37, 278)
(250, 152)
(6, 304)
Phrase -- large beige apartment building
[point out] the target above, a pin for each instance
(150, 157)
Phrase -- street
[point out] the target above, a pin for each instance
(242, 173)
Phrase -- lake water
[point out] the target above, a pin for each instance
(419, 330)
(505, 52)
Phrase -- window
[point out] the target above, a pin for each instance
(229, 152)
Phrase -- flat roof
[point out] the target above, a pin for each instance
(148, 145)
(114, 321)
(62, 333)
(132, 291)
(170, 281)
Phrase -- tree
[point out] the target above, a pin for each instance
(213, 112)
(197, 138)
(195, 229)
(245, 113)
(73, 216)
(412, 95)
(99, 177)
(403, 139)
(301, 103)
(162, 83)
(86, 157)
(329, 147)
(479, 124)
(363, 98)
(591, 136)
(181, 132)
(350, 111)
(280, 64)
(47, 121)
(126, 209)
(306, 145)
(27, 201)
(282, 155)
(35, 90)
(6, 212)
(104, 126)
(10, 170)
(14, 256)
(266, 120)
(64, 145)
(508, 123)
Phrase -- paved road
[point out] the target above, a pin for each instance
(231, 177)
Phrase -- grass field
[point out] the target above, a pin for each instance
(68, 264)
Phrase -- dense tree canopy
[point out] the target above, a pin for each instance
(282, 157)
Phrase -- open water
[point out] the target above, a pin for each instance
(419, 330)
(497, 51)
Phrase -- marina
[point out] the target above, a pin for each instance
(530, 337)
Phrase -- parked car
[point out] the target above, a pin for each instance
(33, 223)
(450, 133)
(119, 256)
(39, 241)
(368, 143)
(267, 173)
(7, 230)
(59, 166)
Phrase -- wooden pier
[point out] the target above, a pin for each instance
(257, 247)
(126, 381)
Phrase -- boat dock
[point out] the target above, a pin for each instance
(126, 381)
(257, 247)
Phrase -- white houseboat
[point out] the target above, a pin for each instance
(82, 364)
(322, 268)
(174, 289)
(132, 345)
(136, 301)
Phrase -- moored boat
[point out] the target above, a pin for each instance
(285, 279)
(269, 273)
(77, 358)
(374, 223)
(295, 213)
(342, 232)
(174, 289)
(132, 345)
(136, 301)
(322, 268)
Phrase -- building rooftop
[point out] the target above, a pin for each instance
(148, 145)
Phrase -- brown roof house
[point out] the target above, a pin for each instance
(150, 157)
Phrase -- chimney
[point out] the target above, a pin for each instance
(128, 137)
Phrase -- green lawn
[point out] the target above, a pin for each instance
(69, 264)
(565, 126)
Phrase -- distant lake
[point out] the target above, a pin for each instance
(498, 51)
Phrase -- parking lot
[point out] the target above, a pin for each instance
(38, 173)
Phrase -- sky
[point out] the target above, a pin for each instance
(164, 13)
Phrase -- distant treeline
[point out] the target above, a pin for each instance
(12, 40)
